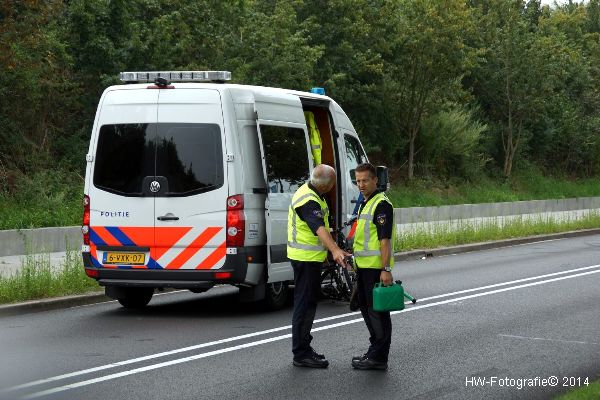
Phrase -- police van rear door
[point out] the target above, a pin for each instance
(122, 155)
(285, 151)
(190, 206)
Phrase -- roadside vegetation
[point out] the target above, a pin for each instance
(488, 103)
(431, 236)
(38, 279)
(590, 392)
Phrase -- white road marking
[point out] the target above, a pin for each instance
(249, 335)
(549, 340)
(273, 339)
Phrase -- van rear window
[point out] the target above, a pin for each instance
(189, 156)
(124, 156)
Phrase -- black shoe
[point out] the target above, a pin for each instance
(359, 358)
(317, 355)
(311, 362)
(368, 363)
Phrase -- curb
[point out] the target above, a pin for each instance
(54, 303)
(99, 297)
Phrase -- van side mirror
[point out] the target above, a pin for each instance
(353, 175)
(383, 182)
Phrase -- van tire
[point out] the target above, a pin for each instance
(136, 298)
(276, 295)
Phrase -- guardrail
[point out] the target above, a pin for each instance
(23, 241)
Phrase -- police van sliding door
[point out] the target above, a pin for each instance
(285, 151)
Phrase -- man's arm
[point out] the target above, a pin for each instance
(386, 254)
(384, 221)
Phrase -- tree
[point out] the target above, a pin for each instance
(429, 59)
(519, 71)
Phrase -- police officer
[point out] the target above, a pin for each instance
(308, 242)
(373, 250)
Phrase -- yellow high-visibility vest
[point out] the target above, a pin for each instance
(367, 253)
(314, 136)
(303, 244)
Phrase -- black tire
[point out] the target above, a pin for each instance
(136, 298)
(276, 295)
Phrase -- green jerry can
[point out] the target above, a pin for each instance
(388, 298)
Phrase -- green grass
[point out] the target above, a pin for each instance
(590, 392)
(37, 279)
(439, 235)
(529, 185)
(49, 198)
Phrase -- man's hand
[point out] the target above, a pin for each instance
(337, 253)
(339, 256)
(386, 278)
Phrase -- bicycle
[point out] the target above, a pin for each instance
(337, 282)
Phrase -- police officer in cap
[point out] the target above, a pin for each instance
(308, 242)
(373, 251)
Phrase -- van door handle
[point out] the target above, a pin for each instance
(354, 201)
(168, 217)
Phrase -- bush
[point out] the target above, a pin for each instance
(450, 144)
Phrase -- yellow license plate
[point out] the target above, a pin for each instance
(124, 258)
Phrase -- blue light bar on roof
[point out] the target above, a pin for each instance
(318, 90)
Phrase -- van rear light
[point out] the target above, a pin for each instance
(85, 227)
(236, 224)
(222, 275)
(92, 273)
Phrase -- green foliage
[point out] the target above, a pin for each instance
(532, 73)
(450, 144)
(585, 392)
(47, 198)
(37, 279)
(439, 235)
(526, 184)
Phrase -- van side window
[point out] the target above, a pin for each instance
(286, 158)
(124, 156)
(190, 156)
(354, 153)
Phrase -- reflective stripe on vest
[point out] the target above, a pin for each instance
(367, 253)
(302, 244)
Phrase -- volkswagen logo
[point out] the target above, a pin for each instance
(154, 186)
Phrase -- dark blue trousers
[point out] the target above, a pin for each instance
(379, 324)
(307, 290)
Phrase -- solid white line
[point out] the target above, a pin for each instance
(278, 338)
(249, 335)
(549, 340)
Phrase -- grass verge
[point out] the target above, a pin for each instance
(527, 185)
(39, 279)
(433, 235)
(590, 392)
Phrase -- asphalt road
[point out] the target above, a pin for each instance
(497, 324)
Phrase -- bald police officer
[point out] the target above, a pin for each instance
(308, 242)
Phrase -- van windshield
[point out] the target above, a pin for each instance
(189, 156)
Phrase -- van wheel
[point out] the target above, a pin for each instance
(276, 295)
(136, 298)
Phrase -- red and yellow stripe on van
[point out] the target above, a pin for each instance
(170, 247)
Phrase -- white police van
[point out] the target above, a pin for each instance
(189, 180)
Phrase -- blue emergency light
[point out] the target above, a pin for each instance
(318, 90)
